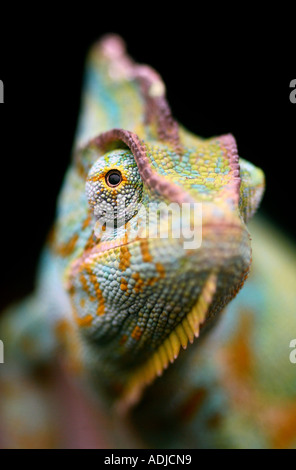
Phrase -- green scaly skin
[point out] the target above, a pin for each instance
(118, 305)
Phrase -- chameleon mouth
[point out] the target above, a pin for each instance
(169, 350)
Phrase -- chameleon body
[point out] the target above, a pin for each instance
(150, 323)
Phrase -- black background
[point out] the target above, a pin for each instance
(224, 72)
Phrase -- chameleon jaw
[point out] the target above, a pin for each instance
(169, 350)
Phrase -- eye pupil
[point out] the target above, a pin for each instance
(113, 178)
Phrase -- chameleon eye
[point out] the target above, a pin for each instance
(114, 187)
(113, 178)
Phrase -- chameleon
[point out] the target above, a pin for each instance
(139, 333)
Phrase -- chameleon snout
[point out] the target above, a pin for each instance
(127, 298)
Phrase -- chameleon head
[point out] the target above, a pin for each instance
(151, 226)
(163, 248)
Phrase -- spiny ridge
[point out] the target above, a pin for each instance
(169, 350)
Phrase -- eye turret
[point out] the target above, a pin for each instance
(114, 188)
(113, 178)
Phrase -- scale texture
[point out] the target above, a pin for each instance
(142, 338)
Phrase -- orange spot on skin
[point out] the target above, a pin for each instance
(90, 242)
(99, 296)
(125, 256)
(123, 340)
(67, 337)
(161, 274)
(85, 287)
(282, 422)
(137, 333)
(82, 303)
(138, 287)
(239, 351)
(86, 222)
(139, 283)
(95, 178)
(85, 321)
(100, 310)
(66, 249)
(123, 285)
(79, 167)
(160, 269)
(61, 329)
(144, 246)
(152, 281)
(82, 321)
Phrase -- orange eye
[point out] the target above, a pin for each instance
(113, 178)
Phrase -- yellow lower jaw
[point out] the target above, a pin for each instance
(169, 350)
